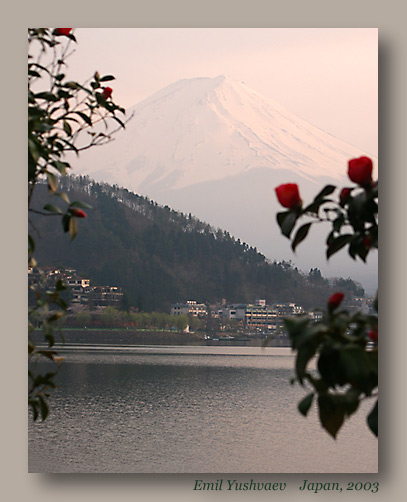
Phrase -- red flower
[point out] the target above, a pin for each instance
(63, 31)
(344, 195)
(288, 195)
(360, 170)
(107, 92)
(335, 300)
(367, 241)
(78, 213)
(373, 335)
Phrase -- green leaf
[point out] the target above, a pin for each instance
(73, 228)
(67, 128)
(306, 351)
(330, 414)
(60, 285)
(32, 166)
(339, 221)
(82, 205)
(360, 368)
(119, 121)
(85, 118)
(52, 182)
(313, 207)
(286, 221)
(33, 73)
(296, 326)
(60, 166)
(52, 209)
(54, 317)
(106, 78)
(43, 407)
(325, 191)
(363, 251)
(66, 218)
(305, 404)
(373, 419)
(33, 403)
(48, 96)
(336, 244)
(34, 149)
(64, 197)
(350, 401)
(31, 244)
(329, 367)
(72, 85)
(301, 234)
(353, 248)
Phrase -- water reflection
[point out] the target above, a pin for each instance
(165, 411)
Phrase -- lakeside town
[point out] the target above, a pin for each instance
(101, 307)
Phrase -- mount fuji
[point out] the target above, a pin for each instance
(215, 148)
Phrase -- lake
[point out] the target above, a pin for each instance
(168, 409)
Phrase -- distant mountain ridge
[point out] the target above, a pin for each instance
(160, 256)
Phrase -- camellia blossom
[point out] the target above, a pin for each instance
(335, 300)
(63, 31)
(344, 195)
(107, 92)
(288, 195)
(78, 213)
(373, 335)
(360, 170)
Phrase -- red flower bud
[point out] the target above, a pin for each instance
(344, 195)
(107, 92)
(62, 31)
(367, 241)
(288, 195)
(373, 335)
(335, 300)
(78, 213)
(360, 170)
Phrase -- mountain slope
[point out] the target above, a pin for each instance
(199, 130)
(161, 257)
(217, 149)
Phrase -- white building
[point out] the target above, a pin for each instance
(189, 308)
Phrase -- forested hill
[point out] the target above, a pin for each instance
(160, 256)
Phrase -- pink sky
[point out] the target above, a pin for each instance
(328, 76)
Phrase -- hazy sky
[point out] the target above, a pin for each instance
(328, 76)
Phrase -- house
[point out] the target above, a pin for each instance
(191, 307)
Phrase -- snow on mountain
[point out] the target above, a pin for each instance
(216, 148)
(204, 129)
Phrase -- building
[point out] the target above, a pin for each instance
(104, 296)
(78, 282)
(260, 318)
(79, 292)
(191, 307)
(257, 317)
(287, 309)
(235, 311)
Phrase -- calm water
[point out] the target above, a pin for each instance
(188, 410)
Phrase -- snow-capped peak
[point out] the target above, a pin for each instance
(205, 129)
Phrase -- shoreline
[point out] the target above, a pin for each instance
(119, 336)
